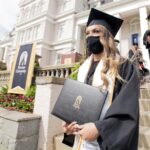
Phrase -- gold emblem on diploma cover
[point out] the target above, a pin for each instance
(77, 102)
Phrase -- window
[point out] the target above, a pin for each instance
(134, 25)
(60, 32)
(66, 4)
(134, 30)
(59, 4)
(27, 12)
(29, 35)
(23, 14)
(63, 5)
(25, 35)
(93, 3)
(22, 37)
(33, 10)
(35, 32)
(40, 6)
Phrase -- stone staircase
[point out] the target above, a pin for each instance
(144, 134)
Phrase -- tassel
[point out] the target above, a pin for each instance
(80, 143)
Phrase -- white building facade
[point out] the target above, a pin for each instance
(7, 49)
(58, 26)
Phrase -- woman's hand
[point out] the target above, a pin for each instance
(70, 128)
(87, 131)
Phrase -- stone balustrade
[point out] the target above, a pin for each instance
(4, 78)
(59, 71)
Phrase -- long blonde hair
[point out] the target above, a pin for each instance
(111, 59)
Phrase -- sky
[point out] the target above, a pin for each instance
(8, 15)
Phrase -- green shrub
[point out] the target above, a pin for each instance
(74, 71)
(4, 90)
(31, 91)
(19, 102)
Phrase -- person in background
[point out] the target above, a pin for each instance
(135, 56)
(146, 37)
(36, 66)
(118, 126)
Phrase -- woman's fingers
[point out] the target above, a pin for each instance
(80, 127)
(71, 125)
(69, 128)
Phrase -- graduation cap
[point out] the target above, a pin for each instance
(110, 22)
(116, 40)
(148, 17)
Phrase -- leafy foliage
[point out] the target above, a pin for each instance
(4, 90)
(19, 102)
(74, 71)
(31, 91)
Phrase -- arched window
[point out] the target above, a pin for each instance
(134, 25)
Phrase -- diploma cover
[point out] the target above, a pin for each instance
(79, 102)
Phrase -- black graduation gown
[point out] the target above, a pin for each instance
(130, 53)
(147, 46)
(119, 128)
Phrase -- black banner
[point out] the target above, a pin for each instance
(23, 68)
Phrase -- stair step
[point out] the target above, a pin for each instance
(145, 93)
(142, 148)
(145, 118)
(145, 86)
(144, 137)
(144, 105)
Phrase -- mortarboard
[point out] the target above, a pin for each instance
(110, 22)
(148, 17)
(117, 41)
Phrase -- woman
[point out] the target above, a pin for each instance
(117, 128)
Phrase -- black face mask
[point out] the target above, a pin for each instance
(94, 45)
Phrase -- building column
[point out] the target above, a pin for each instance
(118, 35)
(5, 54)
(144, 26)
(1, 50)
(48, 89)
(77, 37)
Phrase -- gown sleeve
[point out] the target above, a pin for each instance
(130, 53)
(119, 128)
